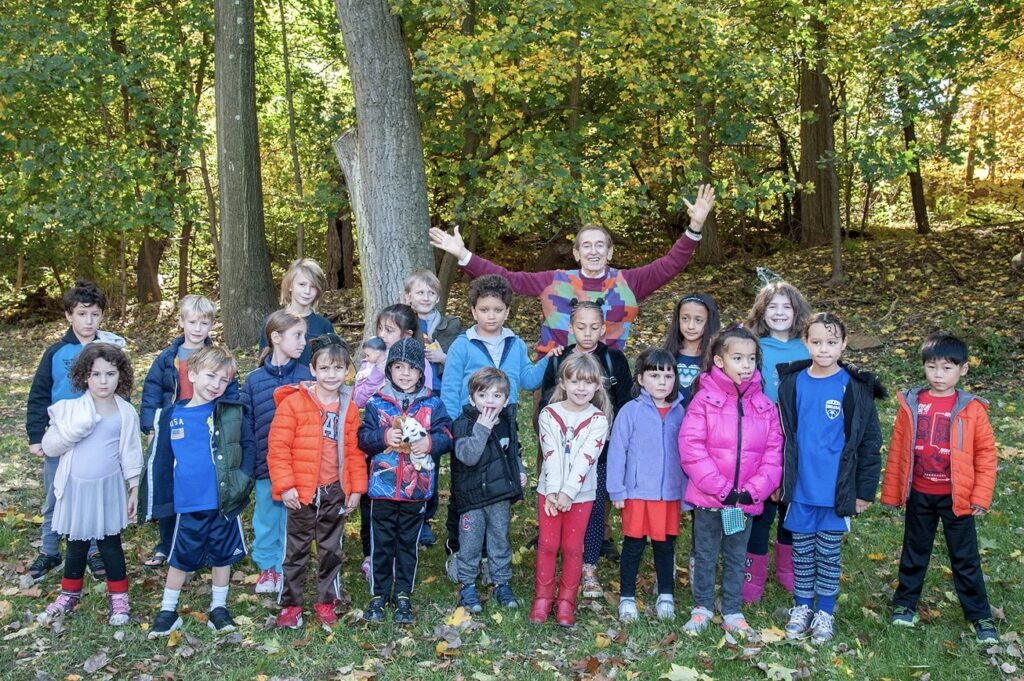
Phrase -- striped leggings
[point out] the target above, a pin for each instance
(816, 567)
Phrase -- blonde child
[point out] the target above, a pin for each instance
(422, 291)
(832, 466)
(777, 318)
(645, 479)
(167, 382)
(319, 473)
(96, 439)
(278, 365)
(730, 446)
(302, 289)
(693, 324)
(572, 433)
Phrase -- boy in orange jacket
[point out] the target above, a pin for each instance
(942, 466)
(318, 471)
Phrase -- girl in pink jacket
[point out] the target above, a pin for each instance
(730, 446)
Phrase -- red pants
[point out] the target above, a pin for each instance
(563, 531)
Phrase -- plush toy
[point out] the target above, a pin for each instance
(413, 430)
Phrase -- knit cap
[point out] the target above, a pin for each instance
(406, 350)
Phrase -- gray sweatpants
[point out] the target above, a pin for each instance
(490, 522)
(710, 540)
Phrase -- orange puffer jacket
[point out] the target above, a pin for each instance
(972, 453)
(294, 444)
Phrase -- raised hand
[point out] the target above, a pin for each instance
(699, 209)
(449, 243)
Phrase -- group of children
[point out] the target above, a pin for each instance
(735, 425)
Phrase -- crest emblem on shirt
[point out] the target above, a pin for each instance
(833, 408)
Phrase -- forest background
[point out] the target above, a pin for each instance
(869, 151)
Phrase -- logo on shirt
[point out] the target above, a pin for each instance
(687, 374)
(833, 408)
(924, 408)
(331, 425)
(177, 429)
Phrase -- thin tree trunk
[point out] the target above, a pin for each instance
(147, 269)
(211, 204)
(710, 248)
(383, 157)
(972, 143)
(246, 289)
(19, 275)
(340, 251)
(289, 95)
(914, 174)
(819, 208)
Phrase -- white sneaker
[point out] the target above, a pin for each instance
(700, 618)
(665, 607)
(799, 621)
(627, 610)
(269, 582)
(823, 627)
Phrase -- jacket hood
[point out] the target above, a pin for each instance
(878, 391)
(286, 391)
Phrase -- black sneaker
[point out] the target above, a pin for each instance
(42, 565)
(375, 610)
(164, 623)
(96, 566)
(403, 610)
(609, 551)
(220, 620)
(985, 630)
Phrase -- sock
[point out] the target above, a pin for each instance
(827, 603)
(219, 597)
(170, 601)
(71, 585)
(118, 586)
(800, 600)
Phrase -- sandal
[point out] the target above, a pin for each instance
(155, 561)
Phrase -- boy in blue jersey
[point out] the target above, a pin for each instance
(201, 471)
(83, 307)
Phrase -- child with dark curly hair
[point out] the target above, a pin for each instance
(96, 438)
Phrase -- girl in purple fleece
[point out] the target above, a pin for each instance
(645, 480)
(730, 447)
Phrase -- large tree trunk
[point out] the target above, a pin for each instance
(382, 158)
(910, 143)
(819, 208)
(246, 289)
(147, 268)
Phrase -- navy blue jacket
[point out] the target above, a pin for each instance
(233, 451)
(258, 400)
(160, 389)
(316, 325)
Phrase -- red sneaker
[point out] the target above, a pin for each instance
(290, 617)
(325, 613)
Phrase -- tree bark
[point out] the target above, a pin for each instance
(246, 289)
(340, 251)
(710, 248)
(300, 235)
(211, 205)
(819, 207)
(147, 268)
(972, 142)
(914, 174)
(382, 158)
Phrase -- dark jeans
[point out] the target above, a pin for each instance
(922, 519)
(760, 534)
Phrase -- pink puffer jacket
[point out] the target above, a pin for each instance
(713, 433)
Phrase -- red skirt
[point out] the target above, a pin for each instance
(655, 519)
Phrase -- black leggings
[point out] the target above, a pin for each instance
(110, 549)
(664, 564)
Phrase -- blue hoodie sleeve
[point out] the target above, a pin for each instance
(530, 375)
(36, 415)
(371, 435)
(440, 430)
(152, 395)
(454, 380)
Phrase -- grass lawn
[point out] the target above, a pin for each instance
(897, 290)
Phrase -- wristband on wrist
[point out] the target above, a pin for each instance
(693, 234)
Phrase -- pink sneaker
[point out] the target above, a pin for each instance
(63, 605)
(120, 611)
(269, 582)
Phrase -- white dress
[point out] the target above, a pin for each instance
(94, 503)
